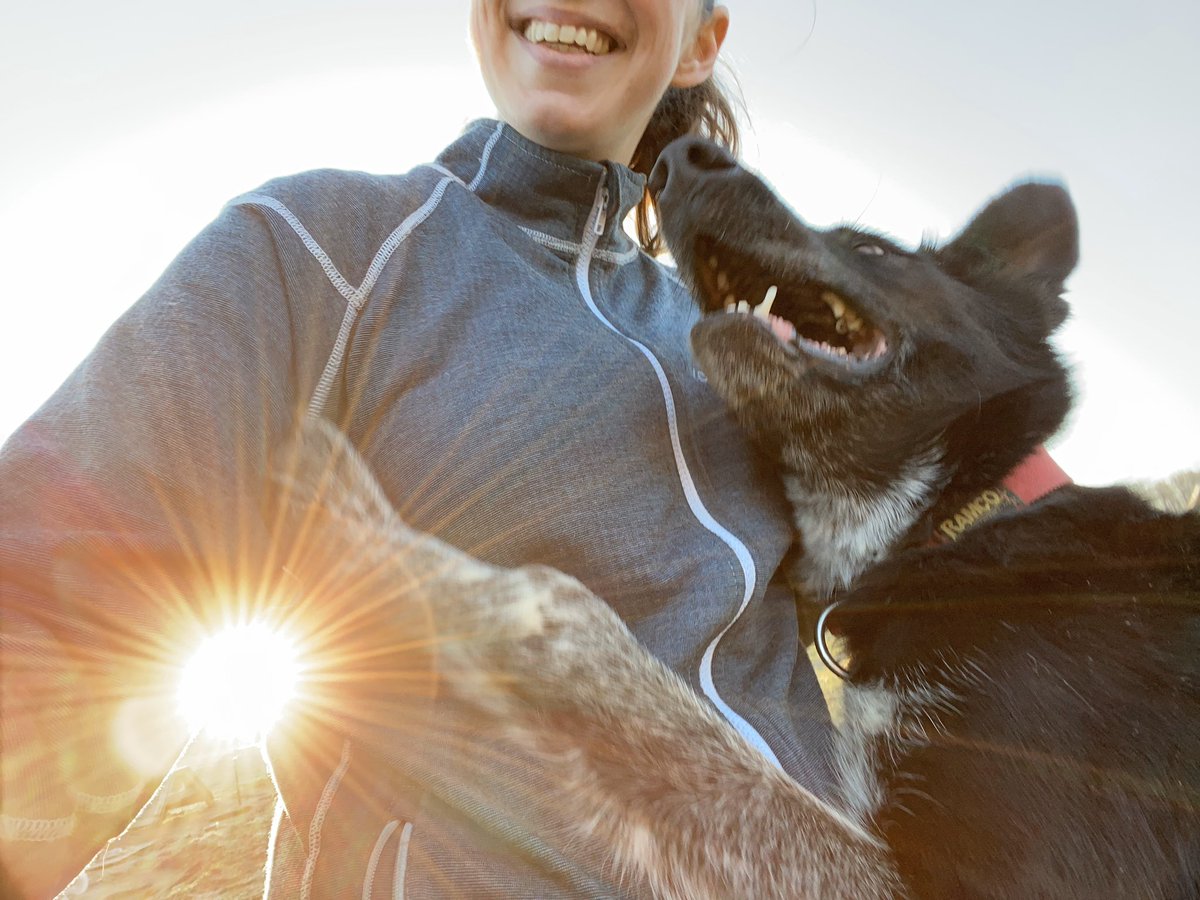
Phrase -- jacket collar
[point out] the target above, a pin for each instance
(544, 190)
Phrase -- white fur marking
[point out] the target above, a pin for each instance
(844, 534)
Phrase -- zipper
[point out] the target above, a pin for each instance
(583, 266)
(601, 213)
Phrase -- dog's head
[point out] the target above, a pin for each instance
(873, 354)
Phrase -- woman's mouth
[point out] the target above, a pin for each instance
(567, 38)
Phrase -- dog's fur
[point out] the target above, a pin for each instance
(1029, 695)
(1024, 719)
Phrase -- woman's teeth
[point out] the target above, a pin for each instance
(567, 36)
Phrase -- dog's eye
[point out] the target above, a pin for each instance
(866, 248)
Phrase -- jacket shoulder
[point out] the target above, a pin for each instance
(349, 215)
(343, 195)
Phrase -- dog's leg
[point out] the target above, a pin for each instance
(682, 798)
(645, 765)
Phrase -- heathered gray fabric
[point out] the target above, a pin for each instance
(499, 410)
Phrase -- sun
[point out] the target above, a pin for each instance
(236, 685)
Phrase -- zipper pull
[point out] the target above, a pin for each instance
(602, 214)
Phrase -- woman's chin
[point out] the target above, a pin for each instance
(560, 125)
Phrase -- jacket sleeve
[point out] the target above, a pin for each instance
(130, 522)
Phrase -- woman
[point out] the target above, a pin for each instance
(514, 369)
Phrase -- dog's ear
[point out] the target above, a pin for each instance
(1027, 237)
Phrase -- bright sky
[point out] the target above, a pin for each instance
(129, 123)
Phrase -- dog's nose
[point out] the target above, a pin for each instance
(686, 160)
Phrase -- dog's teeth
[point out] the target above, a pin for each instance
(730, 300)
(763, 310)
(743, 306)
(730, 307)
(877, 348)
(835, 303)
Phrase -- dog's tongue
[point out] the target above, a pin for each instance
(782, 329)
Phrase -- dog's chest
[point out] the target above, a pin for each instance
(844, 533)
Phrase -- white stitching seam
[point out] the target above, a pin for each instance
(485, 156)
(14, 828)
(318, 821)
(438, 167)
(310, 242)
(699, 510)
(107, 803)
(355, 296)
(608, 256)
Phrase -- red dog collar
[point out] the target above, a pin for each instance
(1033, 478)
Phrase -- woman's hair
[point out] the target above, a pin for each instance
(706, 109)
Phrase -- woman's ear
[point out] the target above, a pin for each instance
(698, 60)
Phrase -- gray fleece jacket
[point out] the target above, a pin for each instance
(516, 372)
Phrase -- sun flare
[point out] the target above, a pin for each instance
(238, 682)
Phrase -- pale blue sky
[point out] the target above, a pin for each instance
(128, 123)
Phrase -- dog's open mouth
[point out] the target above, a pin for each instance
(805, 316)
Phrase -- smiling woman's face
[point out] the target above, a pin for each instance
(584, 77)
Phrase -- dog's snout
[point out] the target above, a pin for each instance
(705, 155)
(686, 160)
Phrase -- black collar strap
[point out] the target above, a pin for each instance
(1035, 477)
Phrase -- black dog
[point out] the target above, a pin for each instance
(1025, 680)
